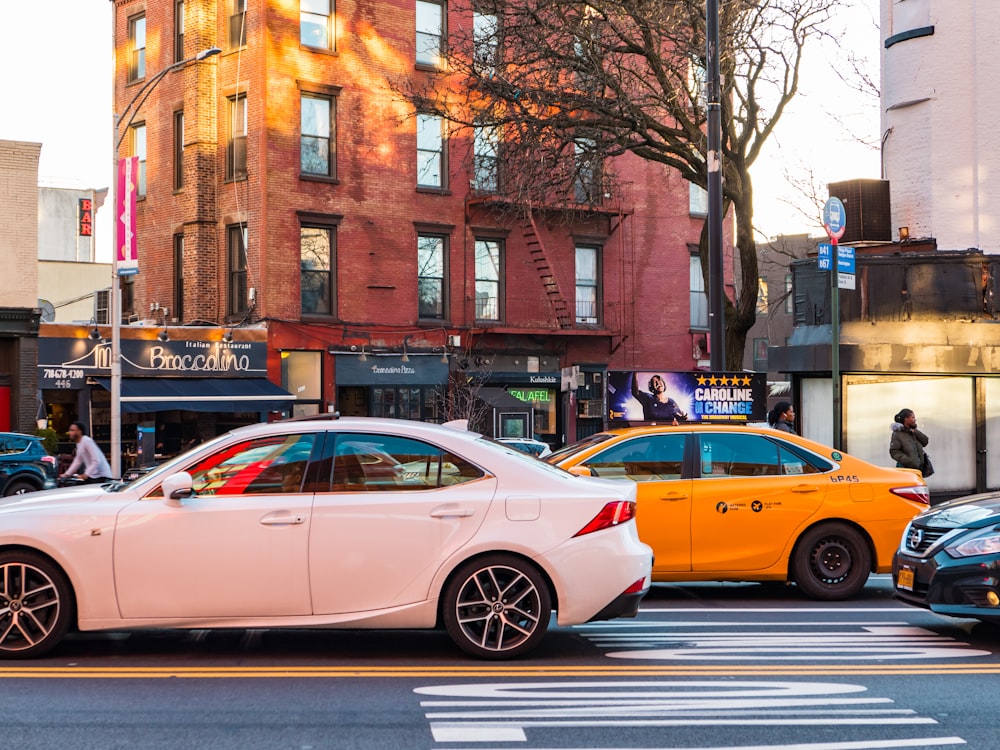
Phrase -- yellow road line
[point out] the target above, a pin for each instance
(301, 672)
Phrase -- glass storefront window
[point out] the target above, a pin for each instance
(302, 376)
(544, 401)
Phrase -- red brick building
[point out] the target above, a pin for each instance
(287, 186)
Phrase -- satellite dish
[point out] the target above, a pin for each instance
(48, 311)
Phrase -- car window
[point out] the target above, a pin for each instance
(13, 444)
(266, 465)
(796, 461)
(732, 455)
(389, 463)
(651, 458)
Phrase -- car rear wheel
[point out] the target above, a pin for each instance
(831, 562)
(19, 487)
(497, 607)
(35, 605)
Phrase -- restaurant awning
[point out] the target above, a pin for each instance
(200, 394)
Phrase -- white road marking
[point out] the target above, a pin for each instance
(863, 745)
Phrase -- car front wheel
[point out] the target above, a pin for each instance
(497, 607)
(35, 605)
(831, 562)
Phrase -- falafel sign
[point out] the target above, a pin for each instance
(665, 397)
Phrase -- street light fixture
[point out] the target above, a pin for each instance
(116, 296)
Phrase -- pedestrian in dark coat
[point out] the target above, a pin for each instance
(781, 417)
(906, 446)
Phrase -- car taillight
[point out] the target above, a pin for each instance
(611, 514)
(918, 493)
(49, 460)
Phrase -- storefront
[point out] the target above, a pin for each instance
(540, 391)
(411, 386)
(185, 390)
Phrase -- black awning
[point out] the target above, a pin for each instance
(139, 395)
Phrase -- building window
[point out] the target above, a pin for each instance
(316, 248)
(587, 284)
(238, 24)
(236, 147)
(697, 200)
(485, 43)
(178, 30)
(430, 151)
(760, 355)
(302, 374)
(316, 23)
(138, 139)
(761, 296)
(317, 149)
(430, 275)
(179, 277)
(178, 150)
(489, 257)
(430, 33)
(789, 296)
(137, 48)
(699, 299)
(236, 242)
(485, 159)
(587, 172)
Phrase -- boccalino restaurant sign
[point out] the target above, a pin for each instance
(66, 363)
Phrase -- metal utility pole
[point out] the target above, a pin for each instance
(716, 279)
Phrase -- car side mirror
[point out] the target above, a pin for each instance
(581, 471)
(177, 487)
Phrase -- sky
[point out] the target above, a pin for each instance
(60, 96)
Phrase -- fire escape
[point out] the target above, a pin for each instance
(553, 293)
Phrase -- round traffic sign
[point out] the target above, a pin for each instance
(834, 218)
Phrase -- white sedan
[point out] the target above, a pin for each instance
(326, 523)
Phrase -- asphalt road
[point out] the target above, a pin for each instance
(703, 666)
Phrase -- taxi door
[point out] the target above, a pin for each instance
(663, 492)
(751, 494)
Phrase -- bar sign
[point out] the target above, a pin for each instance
(86, 212)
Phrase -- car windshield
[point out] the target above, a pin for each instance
(557, 456)
(164, 469)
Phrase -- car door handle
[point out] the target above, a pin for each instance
(283, 519)
(805, 488)
(451, 511)
(674, 497)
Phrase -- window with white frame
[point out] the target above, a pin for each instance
(431, 275)
(317, 122)
(789, 296)
(238, 300)
(316, 23)
(138, 148)
(430, 33)
(238, 23)
(699, 299)
(489, 259)
(485, 42)
(587, 174)
(697, 200)
(236, 148)
(485, 160)
(430, 151)
(178, 149)
(137, 48)
(587, 284)
(178, 30)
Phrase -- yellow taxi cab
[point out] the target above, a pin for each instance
(744, 503)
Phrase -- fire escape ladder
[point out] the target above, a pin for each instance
(533, 240)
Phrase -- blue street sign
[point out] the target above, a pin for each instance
(845, 258)
(825, 255)
(834, 218)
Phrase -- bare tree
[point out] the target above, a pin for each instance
(562, 85)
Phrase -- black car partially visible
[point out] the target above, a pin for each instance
(25, 465)
(949, 559)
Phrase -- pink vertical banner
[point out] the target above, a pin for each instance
(126, 255)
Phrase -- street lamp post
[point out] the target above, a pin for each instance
(116, 296)
(716, 279)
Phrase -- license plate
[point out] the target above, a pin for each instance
(904, 580)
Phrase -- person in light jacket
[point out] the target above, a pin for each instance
(906, 446)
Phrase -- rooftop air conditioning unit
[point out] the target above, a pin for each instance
(866, 203)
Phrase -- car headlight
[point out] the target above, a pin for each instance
(986, 543)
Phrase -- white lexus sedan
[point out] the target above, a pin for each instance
(326, 523)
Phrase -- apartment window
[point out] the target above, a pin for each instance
(178, 30)
(587, 284)
(430, 151)
(485, 42)
(179, 277)
(430, 275)
(489, 256)
(318, 115)
(762, 296)
(485, 159)
(302, 374)
(760, 355)
(316, 23)
(316, 247)
(138, 139)
(236, 244)
(586, 183)
(178, 150)
(137, 48)
(697, 200)
(430, 33)
(238, 23)
(236, 147)
(699, 299)
(789, 296)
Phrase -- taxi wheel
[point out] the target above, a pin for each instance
(831, 562)
(497, 607)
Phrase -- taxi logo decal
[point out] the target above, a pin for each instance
(721, 507)
(756, 506)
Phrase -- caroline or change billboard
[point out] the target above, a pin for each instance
(665, 397)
